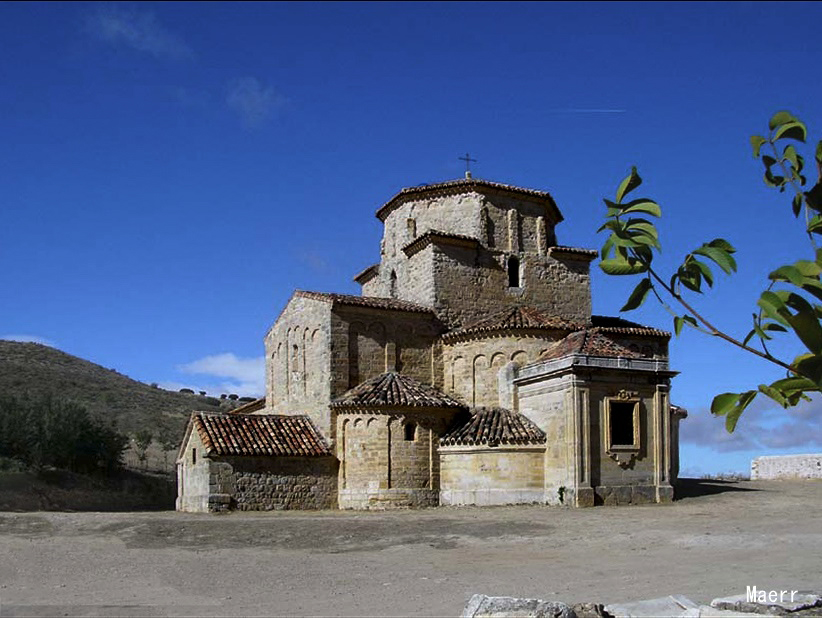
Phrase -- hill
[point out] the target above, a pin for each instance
(34, 369)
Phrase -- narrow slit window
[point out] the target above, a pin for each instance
(410, 432)
(393, 285)
(513, 272)
(193, 456)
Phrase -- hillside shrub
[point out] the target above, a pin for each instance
(47, 432)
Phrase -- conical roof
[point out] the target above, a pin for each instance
(493, 426)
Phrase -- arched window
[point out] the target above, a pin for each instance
(513, 272)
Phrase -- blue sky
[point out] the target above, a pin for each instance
(170, 173)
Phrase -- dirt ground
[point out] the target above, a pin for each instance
(717, 539)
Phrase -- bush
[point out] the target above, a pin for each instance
(49, 432)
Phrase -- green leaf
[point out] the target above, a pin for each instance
(756, 144)
(813, 198)
(628, 184)
(796, 204)
(618, 266)
(774, 307)
(780, 118)
(722, 257)
(819, 152)
(732, 405)
(638, 296)
(774, 394)
(789, 153)
(705, 270)
(792, 130)
(679, 322)
(643, 205)
(815, 224)
(805, 323)
(810, 367)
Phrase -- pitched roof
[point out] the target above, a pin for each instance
(463, 185)
(589, 342)
(373, 302)
(619, 326)
(395, 389)
(259, 434)
(573, 252)
(251, 406)
(435, 236)
(366, 274)
(493, 426)
(516, 318)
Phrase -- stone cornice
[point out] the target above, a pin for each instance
(466, 185)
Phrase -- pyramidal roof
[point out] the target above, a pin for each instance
(494, 426)
(590, 342)
(395, 389)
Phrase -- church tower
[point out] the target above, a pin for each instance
(469, 247)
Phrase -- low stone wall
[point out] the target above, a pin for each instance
(787, 467)
(484, 475)
(273, 483)
(379, 499)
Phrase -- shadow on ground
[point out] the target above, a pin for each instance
(696, 488)
(60, 490)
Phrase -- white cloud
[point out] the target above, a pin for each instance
(138, 30)
(763, 427)
(244, 376)
(29, 339)
(253, 102)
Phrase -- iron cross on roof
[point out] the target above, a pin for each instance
(467, 158)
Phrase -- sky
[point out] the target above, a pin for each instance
(171, 172)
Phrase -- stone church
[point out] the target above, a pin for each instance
(469, 371)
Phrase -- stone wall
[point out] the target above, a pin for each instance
(369, 342)
(273, 483)
(389, 458)
(466, 283)
(298, 362)
(193, 476)
(571, 403)
(472, 368)
(787, 467)
(485, 475)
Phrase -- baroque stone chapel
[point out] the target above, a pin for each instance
(469, 371)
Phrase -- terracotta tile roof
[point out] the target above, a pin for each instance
(515, 318)
(259, 434)
(435, 236)
(609, 324)
(493, 426)
(574, 252)
(589, 342)
(251, 406)
(395, 389)
(463, 185)
(365, 301)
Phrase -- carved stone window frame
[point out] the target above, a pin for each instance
(623, 454)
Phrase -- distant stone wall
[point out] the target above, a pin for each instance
(272, 483)
(787, 467)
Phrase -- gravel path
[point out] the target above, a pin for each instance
(715, 541)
